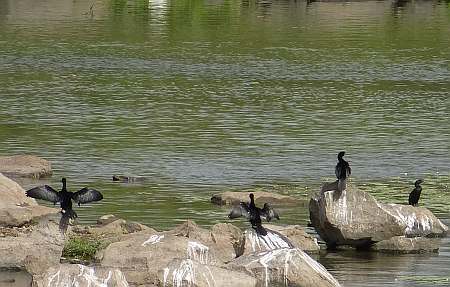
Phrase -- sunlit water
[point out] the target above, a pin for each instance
(205, 96)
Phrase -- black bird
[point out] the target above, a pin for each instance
(253, 213)
(343, 171)
(64, 197)
(414, 196)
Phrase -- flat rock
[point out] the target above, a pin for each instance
(80, 276)
(353, 217)
(16, 209)
(192, 273)
(261, 197)
(286, 267)
(402, 244)
(25, 166)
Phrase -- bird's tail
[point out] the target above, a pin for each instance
(65, 218)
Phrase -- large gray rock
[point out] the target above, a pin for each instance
(286, 267)
(80, 276)
(142, 255)
(194, 274)
(35, 248)
(25, 166)
(261, 197)
(225, 240)
(16, 209)
(353, 217)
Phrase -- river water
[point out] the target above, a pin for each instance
(200, 97)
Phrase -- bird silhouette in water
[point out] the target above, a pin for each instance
(64, 197)
(414, 196)
(253, 214)
(343, 171)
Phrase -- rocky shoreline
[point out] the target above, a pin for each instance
(132, 254)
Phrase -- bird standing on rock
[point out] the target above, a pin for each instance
(253, 213)
(343, 171)
(64, 197)
(414, 196)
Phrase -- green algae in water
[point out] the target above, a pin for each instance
(426, 280)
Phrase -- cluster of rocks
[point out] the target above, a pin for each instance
(355, 218)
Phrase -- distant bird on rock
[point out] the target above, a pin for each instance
(253, 214)
(64, 197)
(414, 196)
(343, 171)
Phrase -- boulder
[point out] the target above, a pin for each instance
(35, 248)
(142, 255)
(192, 273)
(25, 166)
(225, 240)
(353, 217)
(80, 276)
(255, 242)
(16, 209)
(285, 266)
(402, 244)
(261, 197)
(297, 236)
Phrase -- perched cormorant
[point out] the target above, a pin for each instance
(253, 213)
(415, 193)
(343, 171)
(64, 197)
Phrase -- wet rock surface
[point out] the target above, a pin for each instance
(402, 244)
(25, 166)
(353, 217)
(261, 197)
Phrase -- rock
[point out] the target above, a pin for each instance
(35, 249)
(225, 240)
(286, 266)
(191, 273)
(402, 244)
(25, 166)
(297, 236)
(261, 197)
(353, 217)
(141, 256)
(80, 276)
(106, 219)
(16, 209)
(255, 242)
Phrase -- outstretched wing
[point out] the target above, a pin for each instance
(86, 195)
(239, 210)
(44, 192)
(269, 213)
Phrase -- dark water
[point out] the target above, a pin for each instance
(205, 96)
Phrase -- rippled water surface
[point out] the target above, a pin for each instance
(200, 97)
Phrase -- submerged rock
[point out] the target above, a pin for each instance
(353, 217)
(16, 209)
(191, 273)
(286, 267)
(80, 276)
(25, 166)
(262, 197)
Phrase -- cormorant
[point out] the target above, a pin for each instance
(64, 197)
(343, 171)
(415, 193)
(253, 213)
